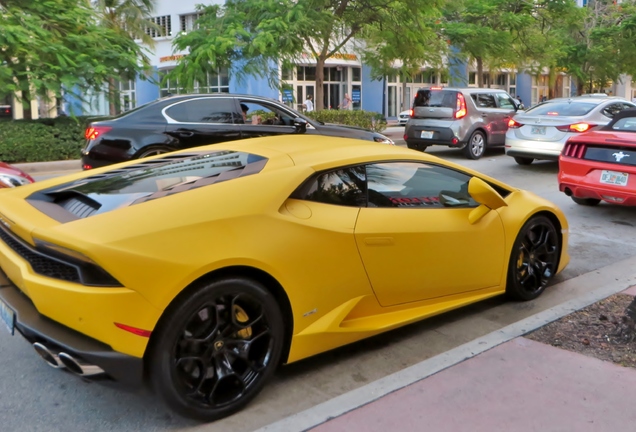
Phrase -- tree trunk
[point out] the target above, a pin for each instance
(319, 99)
(579, 87)
(112, 107)
(405, 103)
(480, 72)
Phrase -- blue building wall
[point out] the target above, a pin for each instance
(373, 92)
(524, 88)
(457, 70)
(252, 85)
(147, 90)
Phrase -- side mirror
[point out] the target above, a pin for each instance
(485, 195)
(300, 124)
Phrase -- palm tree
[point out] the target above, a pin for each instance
(132, 18)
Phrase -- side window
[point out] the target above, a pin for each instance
(417, 185)
(505, 101)
(260, 113)
(207, 110)
(345, 187)
(613, 109)
(484, 100)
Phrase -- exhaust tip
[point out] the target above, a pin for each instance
(50, 358)
(568, 191)
(78, 367)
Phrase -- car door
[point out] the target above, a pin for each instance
(415, 239)
(506, 109)
(487, 107)
(265, 119)
(202, 121)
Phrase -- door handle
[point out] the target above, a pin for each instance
(484, 115)
(185, 134)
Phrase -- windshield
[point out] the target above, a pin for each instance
(563, 108)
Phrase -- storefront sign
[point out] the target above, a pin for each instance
(288, 95)
(355, 95)
(337, 56)
(174, 57)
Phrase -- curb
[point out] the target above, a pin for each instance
(53, 166)
(611, 279)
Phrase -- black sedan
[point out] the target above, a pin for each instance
(180, 122)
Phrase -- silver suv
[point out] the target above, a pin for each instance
(465, 118)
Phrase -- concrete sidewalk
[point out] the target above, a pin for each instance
(50, 167)
(498, 382)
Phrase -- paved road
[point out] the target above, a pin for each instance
(34, 397)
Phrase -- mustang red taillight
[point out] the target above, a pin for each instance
(513, 124)
(574, 150)
(92, 132)
(460, 110)
(134, 330)
(576, 127)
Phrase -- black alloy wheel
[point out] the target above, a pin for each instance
(476, 145)
(217, 348)
(154, 151)
(586, 201)
(534, 259)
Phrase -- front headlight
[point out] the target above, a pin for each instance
(383, 139)
(10, 180)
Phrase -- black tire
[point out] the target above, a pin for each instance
(586, 201)
(215, 349)
(524, 160)
(533, 260)
(153, 151)
(476, 145)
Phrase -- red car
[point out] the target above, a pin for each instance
(11, 176)
(601, 165)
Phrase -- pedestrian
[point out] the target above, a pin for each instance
(309, 104)
(520, 104)
(346, 102)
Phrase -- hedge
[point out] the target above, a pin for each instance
(62, 138)
(42, 140)
(364, 119)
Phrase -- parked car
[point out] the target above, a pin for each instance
(404, 117)
(6, 111)
(204, 269)
(11, 176)
(467, 118)
(541, 131)
(186, 121)
(601, 165)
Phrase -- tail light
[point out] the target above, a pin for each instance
(513, 124)
(92, 132)
(460, 111)
(574, 150)
(411, 113)
(576, 127)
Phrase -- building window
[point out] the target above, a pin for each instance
(127, 96)
(287, 74)
(214, 83)
(356, 73)
(472, 78)
(188, 22)
(165, 27)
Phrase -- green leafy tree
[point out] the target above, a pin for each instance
(50, 45)
(260, 36)
(127, 18)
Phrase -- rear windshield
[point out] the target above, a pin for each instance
(627, 124)
(435, 98)
(565, 108)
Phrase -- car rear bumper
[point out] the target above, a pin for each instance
(581, 179)
(440, 136)
(549, 150)
(34, 327)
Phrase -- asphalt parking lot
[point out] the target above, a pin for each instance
(35, 397)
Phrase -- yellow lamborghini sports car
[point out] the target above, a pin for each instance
(201, 271)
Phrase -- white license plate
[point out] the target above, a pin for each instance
(426, 134)
(614, 177)
(7, 316)
(537, 130)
